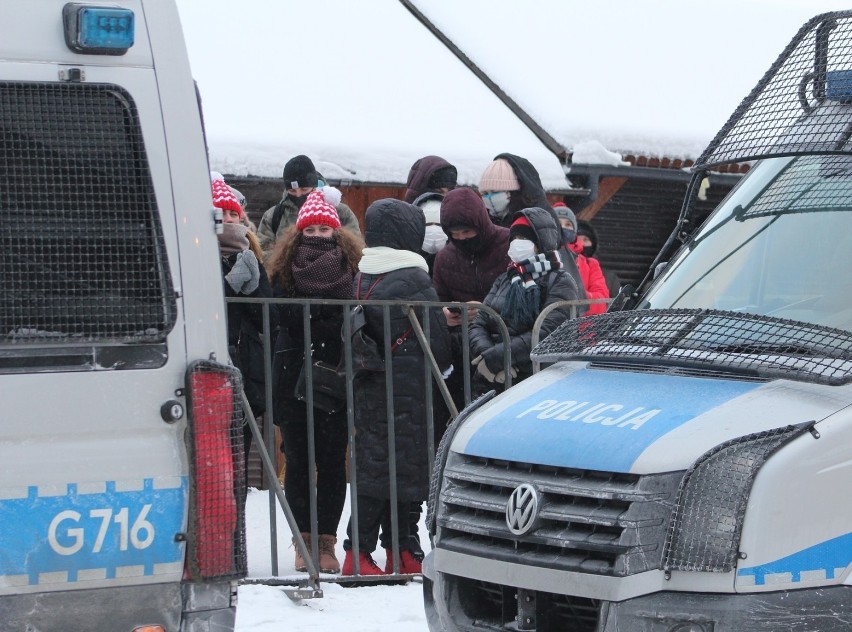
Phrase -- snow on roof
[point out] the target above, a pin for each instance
(365, 89)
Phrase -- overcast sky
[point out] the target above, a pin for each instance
(365, 89)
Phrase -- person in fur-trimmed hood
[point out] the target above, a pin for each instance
(534, 279)
(393, 269)
(316, 258)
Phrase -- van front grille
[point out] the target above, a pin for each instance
(604, 523)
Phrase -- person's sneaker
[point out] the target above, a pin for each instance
(327, 559)
(300, 562)
(367, 565)
(408, 563)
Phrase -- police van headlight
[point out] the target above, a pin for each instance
(441, 455)
(98, 30)
(704, 533)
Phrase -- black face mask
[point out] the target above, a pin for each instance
(568, 235)
(588, 251)
(469, 246)
(298, 201)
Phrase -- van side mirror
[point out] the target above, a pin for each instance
(660, 268)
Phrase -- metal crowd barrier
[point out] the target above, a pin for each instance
(309, 586)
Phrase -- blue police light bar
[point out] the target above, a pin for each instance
(838, 85)
(98, 30)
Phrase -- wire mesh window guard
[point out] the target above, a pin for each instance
(801, 105)
(84, 260)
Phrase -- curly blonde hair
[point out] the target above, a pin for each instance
(279, 267)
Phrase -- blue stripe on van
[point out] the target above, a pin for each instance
(597, 419)
(825, 557)
(99, 532)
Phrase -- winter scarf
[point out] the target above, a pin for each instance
(233, 239)
(381, 259)
(523, 299)
(320, 269)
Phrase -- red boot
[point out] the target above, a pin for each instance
(408, 564)
(368, 566)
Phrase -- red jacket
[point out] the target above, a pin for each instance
(593, 278)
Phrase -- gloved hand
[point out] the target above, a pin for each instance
(483, 369)
(244, 277)
(500, 378)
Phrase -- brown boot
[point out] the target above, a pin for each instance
(300, 562)
(327, 559)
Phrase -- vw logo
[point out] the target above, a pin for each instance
(522, 509)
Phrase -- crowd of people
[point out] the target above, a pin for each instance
(501, 245)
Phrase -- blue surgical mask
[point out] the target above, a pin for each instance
(496, 203)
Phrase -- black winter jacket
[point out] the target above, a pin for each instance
(396, 224)
(245, 341)
(555, 286)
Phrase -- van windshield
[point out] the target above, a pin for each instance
(780, 245)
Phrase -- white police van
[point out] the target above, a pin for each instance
(684, 464)
(120, 447)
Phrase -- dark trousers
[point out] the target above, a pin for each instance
(375, 513)
(330, 439)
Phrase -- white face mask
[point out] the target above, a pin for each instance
(434, 240)
(496, 203)
(521, 249)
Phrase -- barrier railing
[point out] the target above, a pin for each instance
(575, 312)
(309, 586)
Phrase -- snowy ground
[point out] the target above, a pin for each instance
(365, 609)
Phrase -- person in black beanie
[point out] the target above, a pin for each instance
(300, 179)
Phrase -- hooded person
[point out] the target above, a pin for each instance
(430, 174)
(476, 249)
(534, 280)
(393, 269)
(590, 270)
(435, 238)
(588, 237)
(300, 179)
(511, 183)
(314, 259)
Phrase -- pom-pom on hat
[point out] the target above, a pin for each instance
(300, 172)
(223, 196)
(317, 211)
(499, 176)
(522, 229)
(563, 212)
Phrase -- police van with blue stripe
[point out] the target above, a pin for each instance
(122, 487)
(682, 463)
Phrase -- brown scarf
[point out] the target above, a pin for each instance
(321, 270)
(233, 239)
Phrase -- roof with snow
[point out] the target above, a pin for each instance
(365, 88)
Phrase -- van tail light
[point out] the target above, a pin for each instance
(216, 542)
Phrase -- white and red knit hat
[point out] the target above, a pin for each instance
(317, 210)
(223, 196)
